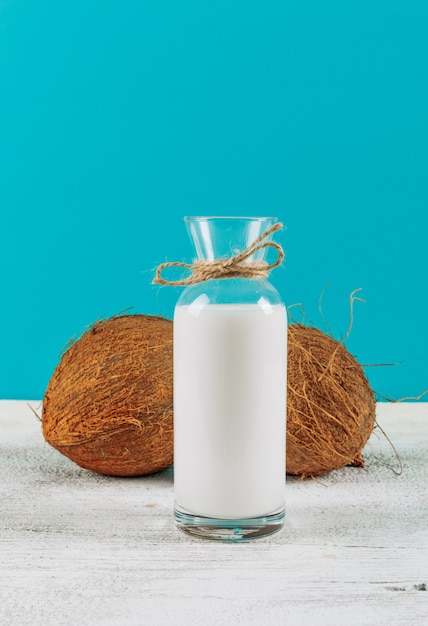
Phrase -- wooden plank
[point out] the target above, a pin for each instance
(78, 548)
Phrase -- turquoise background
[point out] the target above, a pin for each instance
(119, 118)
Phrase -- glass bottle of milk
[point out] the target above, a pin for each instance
(230, 359)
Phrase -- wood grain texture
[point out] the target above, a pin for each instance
(83, 549)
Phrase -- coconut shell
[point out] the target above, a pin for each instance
(109, 403)
(330, 405)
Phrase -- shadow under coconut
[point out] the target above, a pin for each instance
(53, 466)
(164, 477)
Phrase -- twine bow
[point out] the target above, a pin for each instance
(234, 267)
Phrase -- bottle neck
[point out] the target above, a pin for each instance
(225, 237)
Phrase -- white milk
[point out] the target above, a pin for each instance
(230, 409)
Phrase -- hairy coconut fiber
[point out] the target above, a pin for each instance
(330, 405)
(109, 403)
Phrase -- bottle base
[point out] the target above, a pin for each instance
(231, 530)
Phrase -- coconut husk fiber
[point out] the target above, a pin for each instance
(330, 405)
(109, 403)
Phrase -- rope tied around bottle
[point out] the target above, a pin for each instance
(233, 267)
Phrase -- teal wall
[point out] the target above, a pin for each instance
(119, 118)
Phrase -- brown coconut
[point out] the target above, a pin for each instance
(109, 403)
(330, 405)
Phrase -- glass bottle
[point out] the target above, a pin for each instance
(230, 358)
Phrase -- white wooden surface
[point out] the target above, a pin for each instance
(81, 549)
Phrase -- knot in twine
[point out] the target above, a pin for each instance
(233, 267)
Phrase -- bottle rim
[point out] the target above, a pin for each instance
(255, 218)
